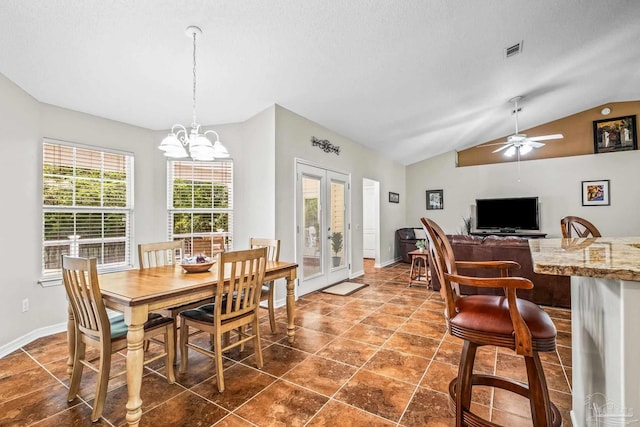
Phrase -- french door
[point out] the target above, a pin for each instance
(323, 240)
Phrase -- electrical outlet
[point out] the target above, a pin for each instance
(25, 305)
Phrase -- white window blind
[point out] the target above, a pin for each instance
(87, 206)
(200, 205)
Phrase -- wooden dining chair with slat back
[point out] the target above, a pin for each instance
(502, 321)
(95, 329)
(574, 226)
(161, 254)
(268, 289)
(235, 308)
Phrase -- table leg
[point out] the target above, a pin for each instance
(71, 339)
(291, 307)
(135, 318)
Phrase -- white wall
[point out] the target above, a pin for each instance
(254, 180)
(23, 124)
(557, 183)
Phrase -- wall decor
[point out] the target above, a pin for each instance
(595, 193)
(394, 197)
(435, 199)
(616, 134)
(325, 145)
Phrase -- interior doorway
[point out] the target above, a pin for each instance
(322, 223)
(371, 220)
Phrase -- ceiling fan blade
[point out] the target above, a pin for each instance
(546, 137)
(495, 143)
(535, 144)
(502, 148)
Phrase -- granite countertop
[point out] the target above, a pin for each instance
(606, 257)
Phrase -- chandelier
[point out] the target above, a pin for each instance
(182, 143)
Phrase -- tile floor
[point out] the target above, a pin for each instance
(379, 357)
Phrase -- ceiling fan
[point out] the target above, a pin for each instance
(520, 143)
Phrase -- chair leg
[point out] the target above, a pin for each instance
(539, 394)
(184, 340)
(258, 347)
(464, 389)
(76, 373)
(170, 350)
(102, 383)
(272, 314)
(219, 368)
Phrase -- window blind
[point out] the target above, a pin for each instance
(87, 205)
(200, 205)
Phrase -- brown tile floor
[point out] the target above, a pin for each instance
(379, 357)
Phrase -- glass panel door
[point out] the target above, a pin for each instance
(323, 233)
(311, 221)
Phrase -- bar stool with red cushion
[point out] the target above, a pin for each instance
(503, 321)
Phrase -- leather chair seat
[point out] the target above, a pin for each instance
(119, 328)
(489, 314)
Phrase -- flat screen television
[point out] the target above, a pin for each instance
(508, 214)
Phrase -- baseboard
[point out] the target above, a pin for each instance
(31, 336)
(388, 263)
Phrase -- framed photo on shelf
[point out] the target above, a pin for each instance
(435, 200)
(617, 134)
(595, 193)
(394, 197)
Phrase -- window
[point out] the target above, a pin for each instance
(200, 205)
(87, 206)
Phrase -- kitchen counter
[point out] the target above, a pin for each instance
(606, 257)
(605, 319)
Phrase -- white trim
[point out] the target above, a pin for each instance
(31, 336)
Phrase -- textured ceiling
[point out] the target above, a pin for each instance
(408, 78)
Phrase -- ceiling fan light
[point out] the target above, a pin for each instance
(525, 149)
(511, 151)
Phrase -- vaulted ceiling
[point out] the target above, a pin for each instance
(410, 79)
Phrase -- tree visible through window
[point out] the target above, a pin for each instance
(200, 208)
(86, 205)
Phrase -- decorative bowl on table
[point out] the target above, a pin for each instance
(198, 264)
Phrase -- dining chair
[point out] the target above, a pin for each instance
(502, 321)
(95, 329)
(240, 277)
(268, 289)
(574, 226)
(161, 254)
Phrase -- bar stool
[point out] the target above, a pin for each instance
(419, 274)
(492, 320)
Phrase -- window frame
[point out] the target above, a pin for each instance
(171, 210)
(52, 277)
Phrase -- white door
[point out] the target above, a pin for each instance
(322, 200)
(369, 218)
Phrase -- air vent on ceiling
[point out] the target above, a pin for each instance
(513, 50)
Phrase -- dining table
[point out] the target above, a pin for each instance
(137, 292)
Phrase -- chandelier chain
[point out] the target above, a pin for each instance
(194, 80)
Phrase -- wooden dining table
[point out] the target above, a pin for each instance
(136, 293)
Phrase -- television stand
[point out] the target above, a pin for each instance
(514, 233)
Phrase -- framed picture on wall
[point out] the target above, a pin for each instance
(617, 134)
(595, 193)
(394, 197)
(435, 200)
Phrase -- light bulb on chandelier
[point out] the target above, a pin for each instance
(180, 143)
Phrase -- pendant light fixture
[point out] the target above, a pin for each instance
(181, 143)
